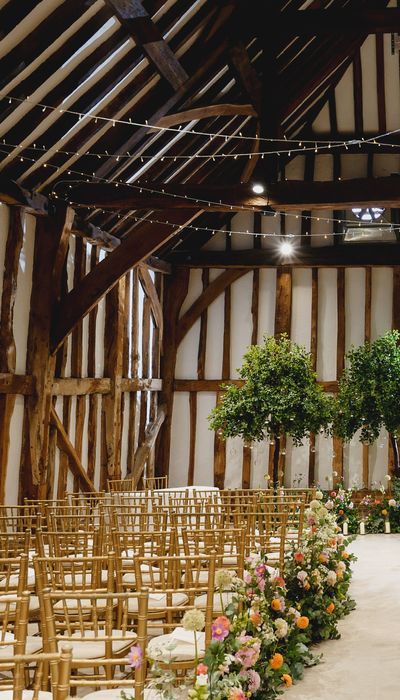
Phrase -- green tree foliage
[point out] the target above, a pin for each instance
(280, 397)
(369, 393)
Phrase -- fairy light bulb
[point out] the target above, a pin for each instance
(286, 248)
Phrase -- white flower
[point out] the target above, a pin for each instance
(388, 477)
(314, 505)
(319, 495)
(281, 627)
(202, 679)
(392, 503)
(302, 575)
(341, 566)
(193, 621)
(329, 505)
(223, 579)
(331, 578)
(294, 612)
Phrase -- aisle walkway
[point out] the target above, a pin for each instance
(365, 663)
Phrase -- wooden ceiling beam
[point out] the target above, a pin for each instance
(216, 110)
(345, 255)
(288, 195)
(146, 34)
(347, 21)
(135, 249)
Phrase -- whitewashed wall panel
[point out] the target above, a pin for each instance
(241, 320)
(204, 448)
(327, 324)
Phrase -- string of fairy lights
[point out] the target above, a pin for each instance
(299, 146)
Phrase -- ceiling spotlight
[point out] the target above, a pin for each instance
(286, 248)
(258, 188)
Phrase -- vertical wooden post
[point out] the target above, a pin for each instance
(111, 408)
(7, 342)
(93, 398)
(340, 348)
(313, 351)
(283, 319)
(176, 287)
(51, 244)
(134, 312)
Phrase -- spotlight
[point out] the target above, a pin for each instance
(258, 188)
(286, 248)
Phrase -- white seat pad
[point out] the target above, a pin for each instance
(33, 603)
(201, 600)
(159, 601)
(26, 695)
(83, 649)
(177, 646)
(12, 581)
(33, 645)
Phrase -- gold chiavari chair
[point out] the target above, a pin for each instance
(154, 483)
(14, 612)
(69, 517)
(15, 688)
(130, 545)
(100, 633)
(71, 544)
(66, 574)
(16, 578)
(120, 485)
(13, 544)
(171, 595)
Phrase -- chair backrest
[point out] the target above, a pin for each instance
(100, 634)
(14, 613)
(60, 665)
(75, 573)
(155, 482)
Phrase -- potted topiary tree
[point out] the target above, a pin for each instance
(280, 396)
(368, 398)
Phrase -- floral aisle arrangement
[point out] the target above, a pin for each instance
(340, 503)
(262, 641)
(375, 511)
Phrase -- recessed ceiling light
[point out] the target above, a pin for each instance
(258, 188)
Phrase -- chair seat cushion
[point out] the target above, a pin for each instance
(159, 601)
(11, 607)
(201, 601)
(87, 648)
(33, 646)
(149, 575)
(71, 604)
(177, 646)
(12, 581)
(26, 695)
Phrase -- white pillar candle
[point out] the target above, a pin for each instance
(362, 527)
(387, 527)
(345, 528)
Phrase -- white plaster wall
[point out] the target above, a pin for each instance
(266, 304)
(355, 307)
(241, 320)
(369, 84)
(204, 448)
(97, 470)
(186, 357)
(301, 306)
(14, 453)
(215, 338)
(381, 301)
(179, 453)
(327, 324)
(259, 464)
(296, 468)
(125, 433)
(234, 460)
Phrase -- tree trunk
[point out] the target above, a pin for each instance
(395, 454)
(275, 476)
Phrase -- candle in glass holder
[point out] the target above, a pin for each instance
(345, 528)
(362, 527)
(387, 527)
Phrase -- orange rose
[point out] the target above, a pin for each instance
(288, 681)
(341, 512)
(332, 542)
(255, 619)
(339, 574)
(330, 608)
(276, 605)
(276, 661)
(302, 622)
(323, 558)
(345, 555)
(306, 586)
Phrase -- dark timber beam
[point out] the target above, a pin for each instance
(146, 34)
(345, 255)
(135, 248)
(283, 196)
(332, 21)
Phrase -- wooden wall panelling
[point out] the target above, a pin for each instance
(65, 444)
(340, 350)
(51, 244)
(175, 291)
(192, 435)
(7, 342)
(313, 351)
(93, 398)
(111, 405)
(134, 361)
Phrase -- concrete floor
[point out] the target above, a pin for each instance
(365, 663)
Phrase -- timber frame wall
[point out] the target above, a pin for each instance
(213, 314)
(71, 420)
